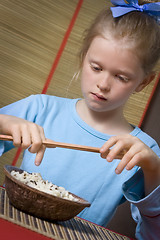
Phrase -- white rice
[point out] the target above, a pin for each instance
(35, 180)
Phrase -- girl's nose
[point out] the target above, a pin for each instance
(104, 84)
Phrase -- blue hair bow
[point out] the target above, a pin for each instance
(125, 6)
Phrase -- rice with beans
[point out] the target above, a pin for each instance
(36, 181)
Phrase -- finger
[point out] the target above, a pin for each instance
(104, 154)
(128, 161)
(107, 145)
(122, 164)
(41, 130)
(134, 161)
(17, 139)
(39, 156)
(26, 140)
(21, 137)
(115, 151)
(36, 139)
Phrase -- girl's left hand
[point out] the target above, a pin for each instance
(137, 153)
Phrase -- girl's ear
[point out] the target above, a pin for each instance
(145, 82)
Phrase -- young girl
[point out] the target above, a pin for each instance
(118, 58)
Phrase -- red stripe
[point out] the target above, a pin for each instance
(11, 231)
(55, 63)
(63, 44)
(149, 101)
(15, 159)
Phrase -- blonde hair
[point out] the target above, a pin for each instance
(137, 29)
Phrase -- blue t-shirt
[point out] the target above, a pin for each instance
(83, 173)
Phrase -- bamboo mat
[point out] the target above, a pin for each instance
(74, 229)
(31, 35)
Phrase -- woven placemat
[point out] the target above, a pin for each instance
(74, 229)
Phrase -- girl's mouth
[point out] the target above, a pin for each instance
(99, 97)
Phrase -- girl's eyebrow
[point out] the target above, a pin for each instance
(91, 60)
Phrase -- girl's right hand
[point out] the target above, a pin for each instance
(25, 134)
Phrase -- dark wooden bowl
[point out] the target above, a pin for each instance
(38, 203)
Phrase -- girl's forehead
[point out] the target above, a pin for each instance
(112, 42)
(107, 47)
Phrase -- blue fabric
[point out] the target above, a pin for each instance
(145, 210)
(84, 174)
(123, 7)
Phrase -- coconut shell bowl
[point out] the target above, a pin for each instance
(38, 203)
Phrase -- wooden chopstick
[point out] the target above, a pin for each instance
(52, 144)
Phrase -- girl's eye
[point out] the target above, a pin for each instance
(122, 78)
(96, 68)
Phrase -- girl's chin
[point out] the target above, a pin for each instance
(97, 108)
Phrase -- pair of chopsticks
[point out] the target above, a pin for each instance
(52, 144)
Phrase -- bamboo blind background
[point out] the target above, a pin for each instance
(31, 34)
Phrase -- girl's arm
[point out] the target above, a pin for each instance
(145, 208)
(137, 153)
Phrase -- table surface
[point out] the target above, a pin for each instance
(18, 225)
